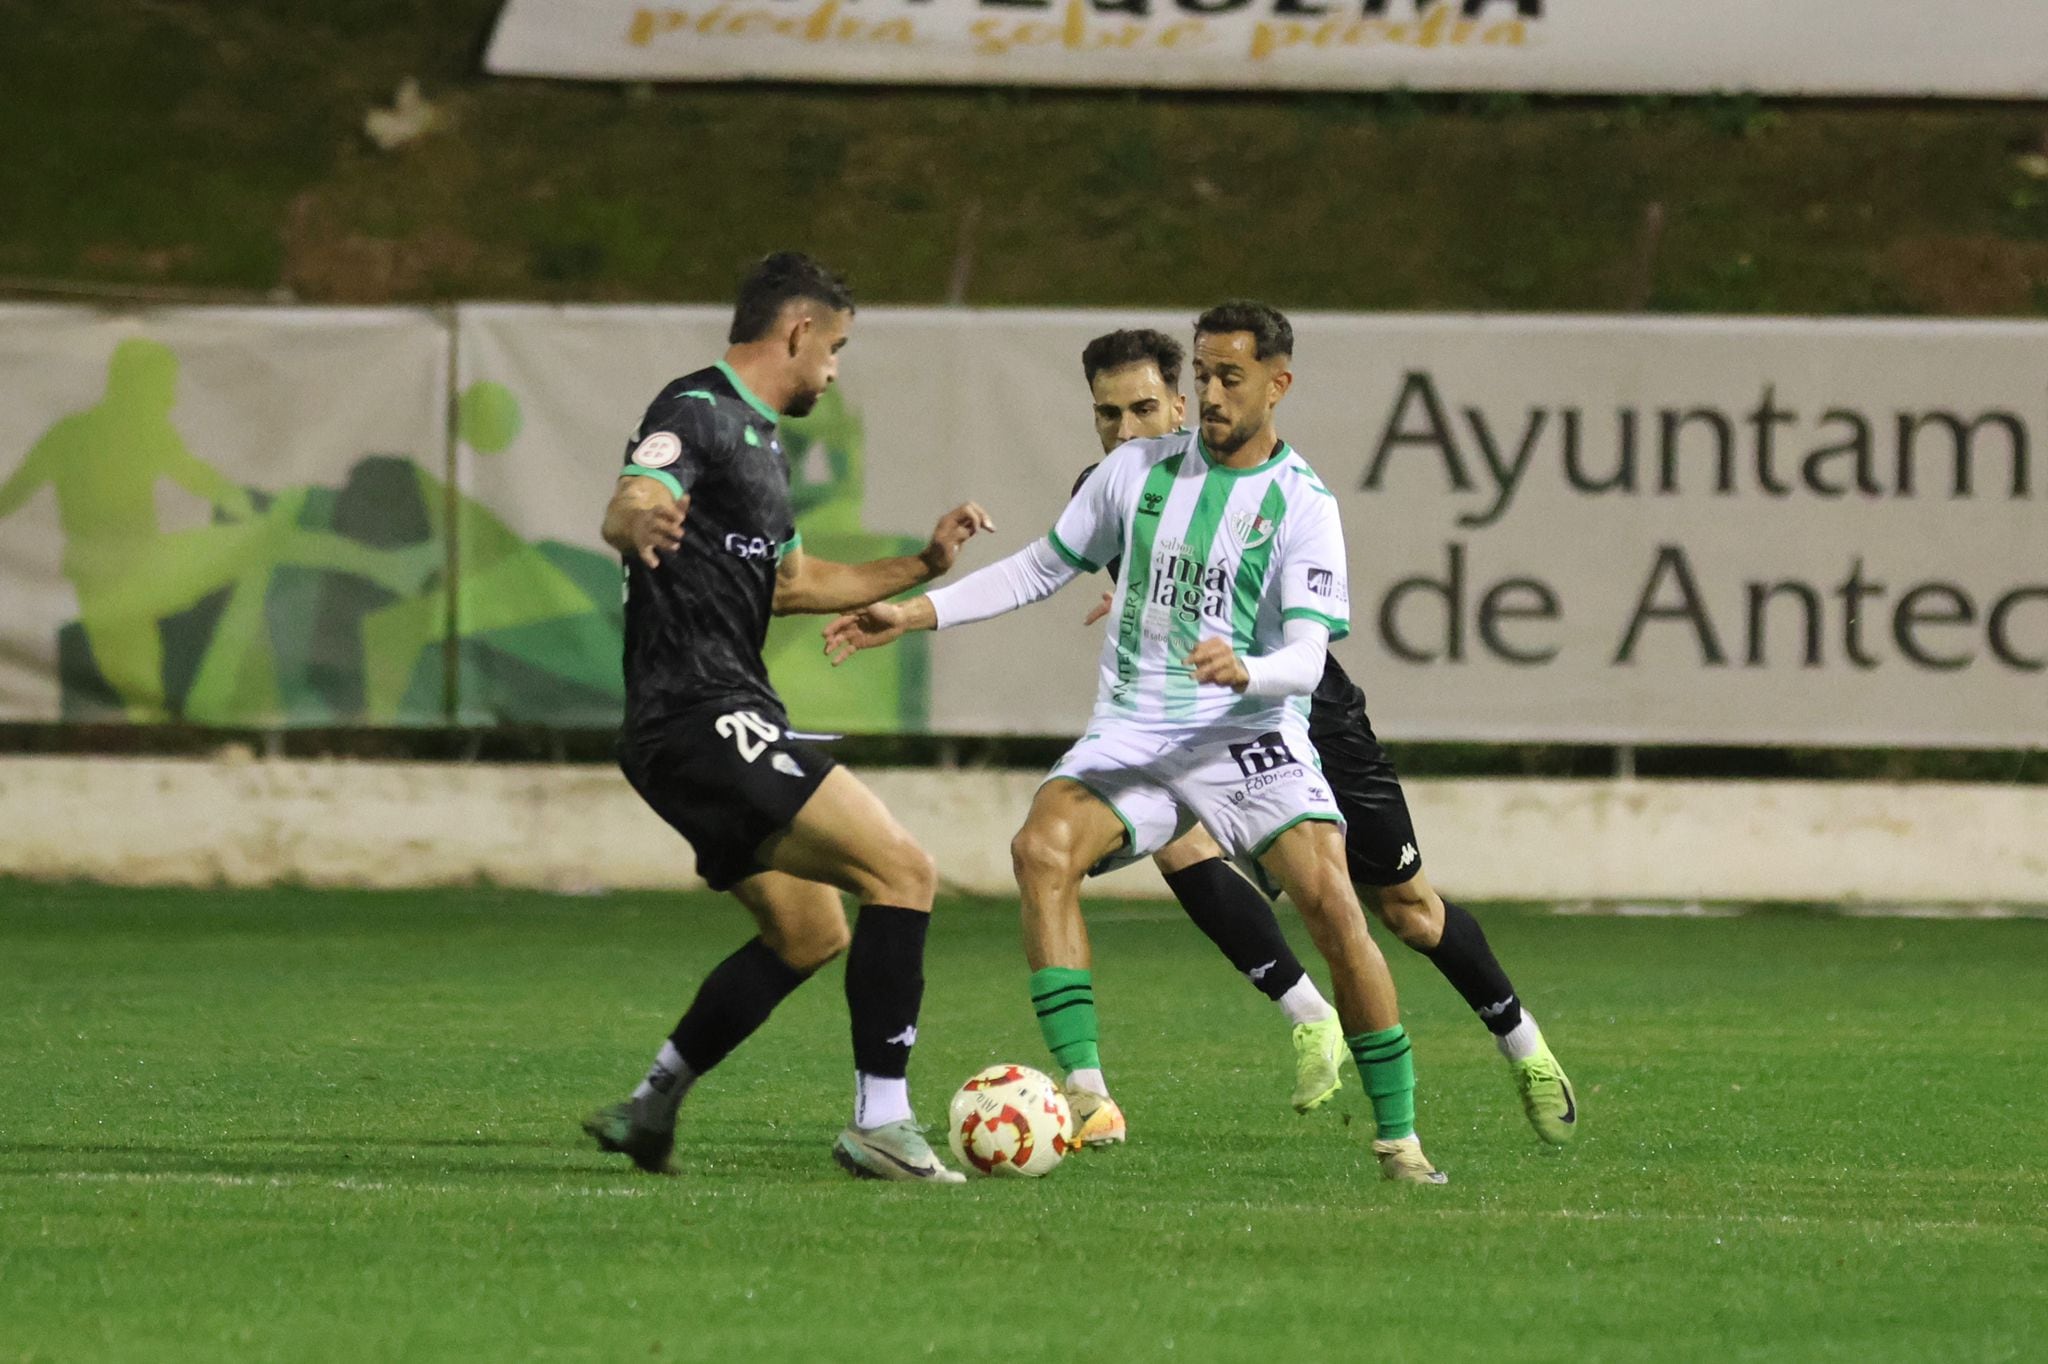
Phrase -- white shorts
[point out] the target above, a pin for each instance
(1246, 786)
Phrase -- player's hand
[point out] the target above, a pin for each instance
(1100, 610)
(955, 529)
(868, 628)
(1215, 661)
(657, 529)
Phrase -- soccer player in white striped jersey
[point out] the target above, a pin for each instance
(1232, 583)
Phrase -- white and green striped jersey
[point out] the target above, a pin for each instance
(1208, 552)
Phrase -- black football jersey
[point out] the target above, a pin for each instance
(695, 626)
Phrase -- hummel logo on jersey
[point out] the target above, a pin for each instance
(1264, 754)
(1408, 854)
(786, 765)
(1151, 504)
(906, 1038)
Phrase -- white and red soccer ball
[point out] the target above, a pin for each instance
(1010, 1120)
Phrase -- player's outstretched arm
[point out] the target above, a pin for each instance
(1031, 574)
(807, 585)
(644, 519)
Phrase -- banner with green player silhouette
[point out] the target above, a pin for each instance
(230, 517)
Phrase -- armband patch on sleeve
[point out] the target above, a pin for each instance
(658, 451)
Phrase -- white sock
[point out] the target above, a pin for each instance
(878, 1099)
(1090, 1079)
(658, 1096)
(1522, 1041)
(1304, 1003)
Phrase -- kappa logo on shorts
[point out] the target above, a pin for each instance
(1408, 855)
(786, 765)
(1267, 753)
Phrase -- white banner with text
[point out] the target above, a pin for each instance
(1987, 48)
(1560, 529)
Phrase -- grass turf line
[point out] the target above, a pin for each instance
(326, 1125)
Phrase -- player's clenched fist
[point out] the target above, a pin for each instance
(955, 529)
(1215, 661)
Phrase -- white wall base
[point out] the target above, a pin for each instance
(240, 821)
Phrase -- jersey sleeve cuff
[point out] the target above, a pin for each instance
(1337, 627)
(1072, 559)
(661, 476)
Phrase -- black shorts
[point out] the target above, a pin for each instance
(1379, 837)
(726, 776)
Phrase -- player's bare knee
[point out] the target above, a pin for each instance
(1042, 851)
(909, 877)
(1411, 913)
(806, 942)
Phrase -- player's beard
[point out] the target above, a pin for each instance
(801, 403)
(1238, 437)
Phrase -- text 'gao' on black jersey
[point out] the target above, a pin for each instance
(696, 625)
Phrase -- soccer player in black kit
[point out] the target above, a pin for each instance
(1134, 381)
(701, 515)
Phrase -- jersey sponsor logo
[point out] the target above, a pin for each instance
(1266, 754)
(1325, 583)
(658, 451)
(1252, 529)
(1189, 588)
(750, 734)
(748, 547)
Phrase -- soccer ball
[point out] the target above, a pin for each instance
(1010, 1120)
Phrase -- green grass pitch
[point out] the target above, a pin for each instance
(299, 1125)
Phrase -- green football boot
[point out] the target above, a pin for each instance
(895, 1150)
(647, 1147)
(1547, 1096)
(1318, 1058)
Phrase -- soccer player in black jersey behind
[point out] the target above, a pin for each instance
(701, 515)
(1134, 381)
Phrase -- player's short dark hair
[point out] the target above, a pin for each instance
(1133, 346)
(779, 279)
(1272, 333)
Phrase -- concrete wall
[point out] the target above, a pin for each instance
(250, 822)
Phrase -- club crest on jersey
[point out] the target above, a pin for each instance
(1252, 529)
(658, 451)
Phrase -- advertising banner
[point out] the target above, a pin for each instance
(223, 516)
(1568, 529)
(1988, 48)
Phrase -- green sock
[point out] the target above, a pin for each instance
(1387, 1061)
(1065, 1001)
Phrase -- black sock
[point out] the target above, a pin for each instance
(734, 1000)
(885, 987)
(1240, 921)
(1467, 963)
